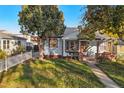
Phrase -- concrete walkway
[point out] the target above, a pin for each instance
(101, 75)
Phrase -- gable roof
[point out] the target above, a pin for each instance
(70, 33)
(102, 36)
(5, 35)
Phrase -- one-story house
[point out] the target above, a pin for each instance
(9, 41)
(31, 39)
(69, 43)
(31, 42)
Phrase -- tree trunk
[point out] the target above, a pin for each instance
(41, 49)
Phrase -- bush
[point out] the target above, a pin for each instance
(106, 56)
(2, 54)
(120, 58)
(18, 50)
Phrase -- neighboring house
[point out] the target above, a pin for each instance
(120, 48)
(31, 42)
(9, 41)
(31, 39)
(69, 43)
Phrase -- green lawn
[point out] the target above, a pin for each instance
(114, 70)
(50, 73)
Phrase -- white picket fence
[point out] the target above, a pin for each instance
(15, 60)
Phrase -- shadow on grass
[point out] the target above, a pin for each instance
(36, 79)
(8, 73)
(72, 67)
(59, 73)
(27, 73)
(114, 70)
(2, 74)
(77, 69)
(44, 82)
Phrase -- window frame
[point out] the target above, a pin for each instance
(7, 44)
(50, 41)
(71, 43)
(4, 44)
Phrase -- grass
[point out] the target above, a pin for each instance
(115, 70)
(51, 73)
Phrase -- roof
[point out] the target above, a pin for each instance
(120, 42)
(5, 35)
(102, 36)
(70, 33)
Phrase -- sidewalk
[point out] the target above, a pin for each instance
(101, 75)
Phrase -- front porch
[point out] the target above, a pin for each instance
(57, 47)
(78, 49)
(75, 48)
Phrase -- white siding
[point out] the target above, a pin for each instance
(12, 45)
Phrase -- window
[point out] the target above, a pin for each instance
(83, 46)
(66, 45)
(19, 42)
(7, 44)
(4, 44)
(71, 45)
(53, 43)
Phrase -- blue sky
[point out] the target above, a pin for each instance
(9, 16)
(72, 14)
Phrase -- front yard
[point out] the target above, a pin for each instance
(114, 70)
(50, 73)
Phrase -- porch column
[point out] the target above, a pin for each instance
(97, 45)
(79, 46)
(63, 47)
(79, 56)
(97, 48)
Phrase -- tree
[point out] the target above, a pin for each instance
(43, 21)
(103, 19)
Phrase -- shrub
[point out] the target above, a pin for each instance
(2, 54)
(18, 50)
(120, 58)
(106, 56)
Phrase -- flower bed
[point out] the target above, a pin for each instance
(106, 56)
